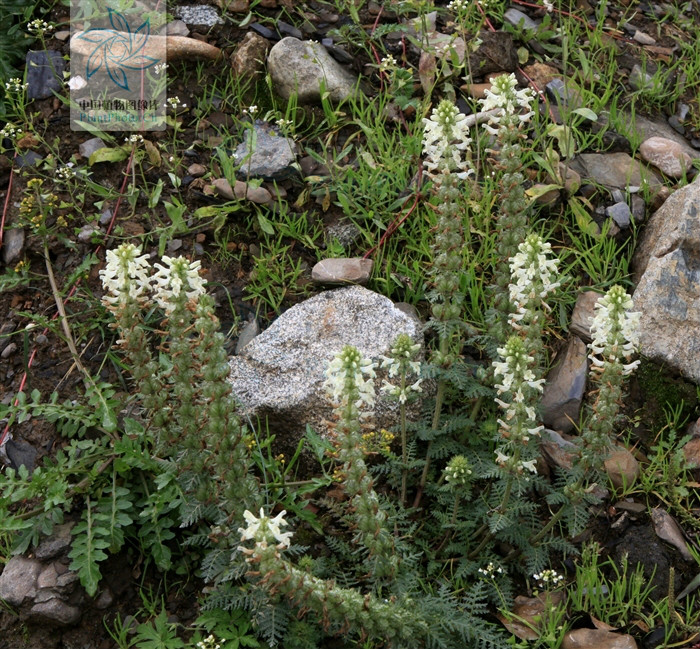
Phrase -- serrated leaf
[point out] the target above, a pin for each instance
(108, 154)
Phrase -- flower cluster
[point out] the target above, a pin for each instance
(387, 63)
(127, 276)
(514, 464)
(548, 578)
(615, 330)
(134, 138)
(348, 370)
(401, 364)
(210, 642)
(506, 100)
(515, 368)
(490, 570)
(11, 131)
(532, 272)
(445, 138)
(65, 172)
(457, 471)
(15, 85)
(178, 275)
(174, 103)
(39, 27)
(265, 530)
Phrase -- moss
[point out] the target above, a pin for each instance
(661, 389)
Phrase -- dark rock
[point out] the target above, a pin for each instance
(565, 387)
(339, 54)
(249, 59)
(28, 159)
(288, 30)
(264, 32)
(562, 93)
(676, 125)
(87, 148)
(497, 53)
(583, 314)
(519, 19)
(56, 544)
(44, 73)
(20, 454)
(639, 208)
(620, 213)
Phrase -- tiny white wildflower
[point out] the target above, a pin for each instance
(39, 27)
(134, 138)
(260, 529)
(158, 68)
(174, 103)
(16, 85)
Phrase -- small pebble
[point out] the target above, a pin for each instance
(174, 244)
(643, 39)
(41, 339)
(9, 350)
(198, 249)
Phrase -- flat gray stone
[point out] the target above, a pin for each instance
(342, 270)
(56, 544)
(18, 580)
(55, 611)
(87, 148)
(641, 80)
(614, 170)
(299, 67)
(565, 387)
(202, 15)
(270, 157)
(250, 331)
(620, 213)
(517, 18)
(666, 155)
(667, 271)
(584, 311)
(44, 73)
(279, 375)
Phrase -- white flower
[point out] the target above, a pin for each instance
(178, 274)
(501, 457)
(346, 371)
(529, 465)
(16, 85)
(615, 330)
(445, 137)
(532, 272)
(160, 67)
(503, 96)
(174, 103)
(261, 529)
(126, 274)
(548, 6)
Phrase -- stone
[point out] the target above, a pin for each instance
(272, 156)
(259, 195)
(343, 231)
(562, 93)
(279, 375)
(620, 213)
(28, 159)
(55, 611)
(342, 270)
(541, 73)
(300, 67)
(12, 245)
(196, 170)
(18, 580)
(9, 349)
(48, 577)
(583, 313)
(667, 273)
(87, 148)
(44, 73)
(643, 39)
(496, 53)
(668, 530)
(249, 59)
(250, 331)
(622, 467)
(597, 639)
(640, 79)
(517, 18)
(691, 451)
(565, 387)
(614, 170)
(56, 544)
(558, 451)
(105, 599)
(176, 28)
(648, 128)
(666, 155)
(21, 453)
(170, 48)
(222, 188)
(174, 245)
(88, 232)
(198, 15)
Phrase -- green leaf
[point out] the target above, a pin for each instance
(155, 194)
(107, 154)
(587, 113)
(583, 218)
(265, 224)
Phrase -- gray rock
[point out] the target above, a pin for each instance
(174, 244)
(299, 67)
(44, 73)
(279, 375)
(105, 217)
(676, 125)
(581, 318)
(87, 148)
(643, 39)
(48, 577)
(666, 155)
(21, 453)
(565, 387)
(18, 580)
(105, 599)
(27, 159)
(342, 270)
(8, 350)
(249, 59)
(88, 231)
(648, 128)
(12, 245)
(176, 28)
(271, 157)
(598, 638)
(620, 213)
(641, 80)
(344, 231)
(55, 611)
(250, 331)
(563, 93)
(56, 544)
(198, 15)
(197, 170)
(667, 271)
(558, 451)
(639, 208)
(614, 170)
(517, 18)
